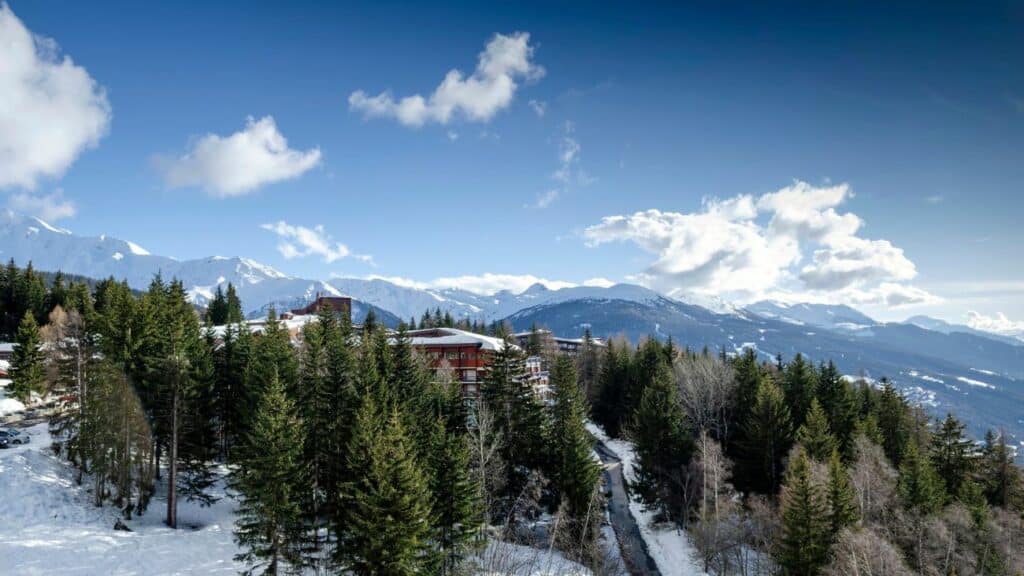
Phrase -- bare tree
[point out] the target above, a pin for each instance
(715, 530)
(485, 440)
(865, 553)
(706, 389)
(873, 480)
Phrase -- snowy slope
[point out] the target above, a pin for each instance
(936, 325)
(48, 525)
(828, 316)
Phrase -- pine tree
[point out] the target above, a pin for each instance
(611, 396)
(316, 409)
(217, 310)
(815, 435)
(1000, 478)
(768, 437)
(575, 474)
(806, 536)
(663, 446)
(27, 374)
(269, 514)
(838, 400)
(799, 383)
(456, 499)
(840, 495)
(389, 524)
(952, 455)
(920, 488)
(892, 414)
(234, 312)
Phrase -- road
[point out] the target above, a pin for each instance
(634, 550)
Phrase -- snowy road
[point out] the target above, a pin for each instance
(634, 551)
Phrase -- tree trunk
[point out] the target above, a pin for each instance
(172, 464)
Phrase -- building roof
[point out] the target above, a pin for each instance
(454, 337)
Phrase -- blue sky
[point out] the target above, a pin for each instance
(859, 153)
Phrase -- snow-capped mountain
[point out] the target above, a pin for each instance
(51, 248)
(830, 316)
(936, 325)
(27, 239)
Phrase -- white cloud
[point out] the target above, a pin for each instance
(998, 324)
(300, 242)
(477, 97)
(746, 247)
(934, 199)
(539, 107)
(546, 198)
(569, 173)
(50, 207)
(240, 163)
(50, 109)
(453, 135)
(488, 283)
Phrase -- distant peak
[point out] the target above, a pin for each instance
(51, 227)
(136, 249)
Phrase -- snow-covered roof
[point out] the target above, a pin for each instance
(453, 337)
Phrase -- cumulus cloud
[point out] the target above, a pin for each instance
(240, 163)
(300, 242)
(750, 247)
(50, 109)
(998, 324)
(51, 207)
(506, 60)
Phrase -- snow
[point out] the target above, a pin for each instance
(670, 547)
(52, 228)
(8, 405)
(506, 559)
(925, 377)
(117, 256)
(985, 372)
(50, 526)
(136, 249)
(974, 382)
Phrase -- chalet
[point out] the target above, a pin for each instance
(467, 354)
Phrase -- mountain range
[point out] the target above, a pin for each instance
(977, 374)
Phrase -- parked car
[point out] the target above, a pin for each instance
(4, 443)
(15, 436)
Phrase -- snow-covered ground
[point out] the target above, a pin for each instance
(8, 405)
(670, 547)
(49, 526)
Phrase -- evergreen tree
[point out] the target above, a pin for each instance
(767, 438)
(920, 488)
(799, 384)
(234, 306)
(217, 309)
(952, 455)
(456, 499)
(999, 477)
(892, 413)
(839, 402)
(806, 535)
(611, 396)
(815, 435)
(840, 495)
(575, 474)
(268, 527)
(663, 446)
(27, 373)
(388, 528)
